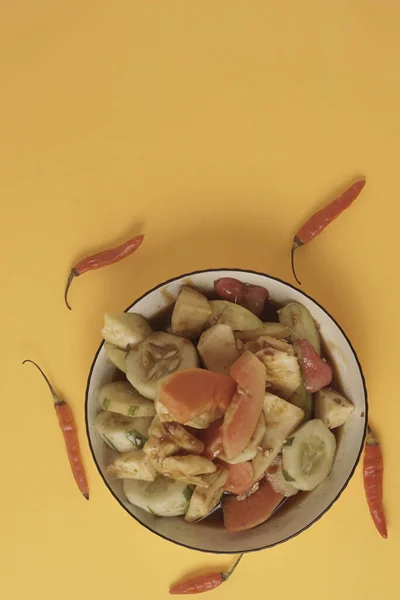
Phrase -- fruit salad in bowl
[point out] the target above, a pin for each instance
(226, 410)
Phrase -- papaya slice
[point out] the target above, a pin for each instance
(192, 393)
(240, 515)
(244, 411)
(240, 478)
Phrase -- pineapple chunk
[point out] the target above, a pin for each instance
(133, 465)
(281, 419)
(332, 408)
(191, 311)
(283, 371)
(217, 348)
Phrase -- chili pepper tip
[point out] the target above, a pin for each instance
(296, 244)
(70, 278)
(86, 496)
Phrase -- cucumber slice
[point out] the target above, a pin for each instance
(308, 455)
(120, 397)
(122, 433)
(158, 356)
(237, 317)
(163, 497)
(303, 400)
(275, 330)
(125, 330)
(116, 355)
(299, 320)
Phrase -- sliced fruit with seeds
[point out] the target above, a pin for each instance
(158, 356)
(309, 455)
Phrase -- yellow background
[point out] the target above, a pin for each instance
(216, 127)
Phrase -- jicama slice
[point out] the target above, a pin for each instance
(125, 330)
(308, 455)
(163, 497)
(298, 319)
(332, 408)
(122, 433)
(120, 397)
(133, 465)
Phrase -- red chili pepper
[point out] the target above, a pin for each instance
(373, 476)
(321, 219)
(68, 427)
(102, 259)
(203, 583)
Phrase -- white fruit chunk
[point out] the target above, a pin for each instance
(190, 313)
(133, 465)
(125, 330)
(281, 419)
(217, 348)
(332, 408)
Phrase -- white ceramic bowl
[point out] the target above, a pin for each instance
(303, 511)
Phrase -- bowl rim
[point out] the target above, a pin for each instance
(357, 460)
